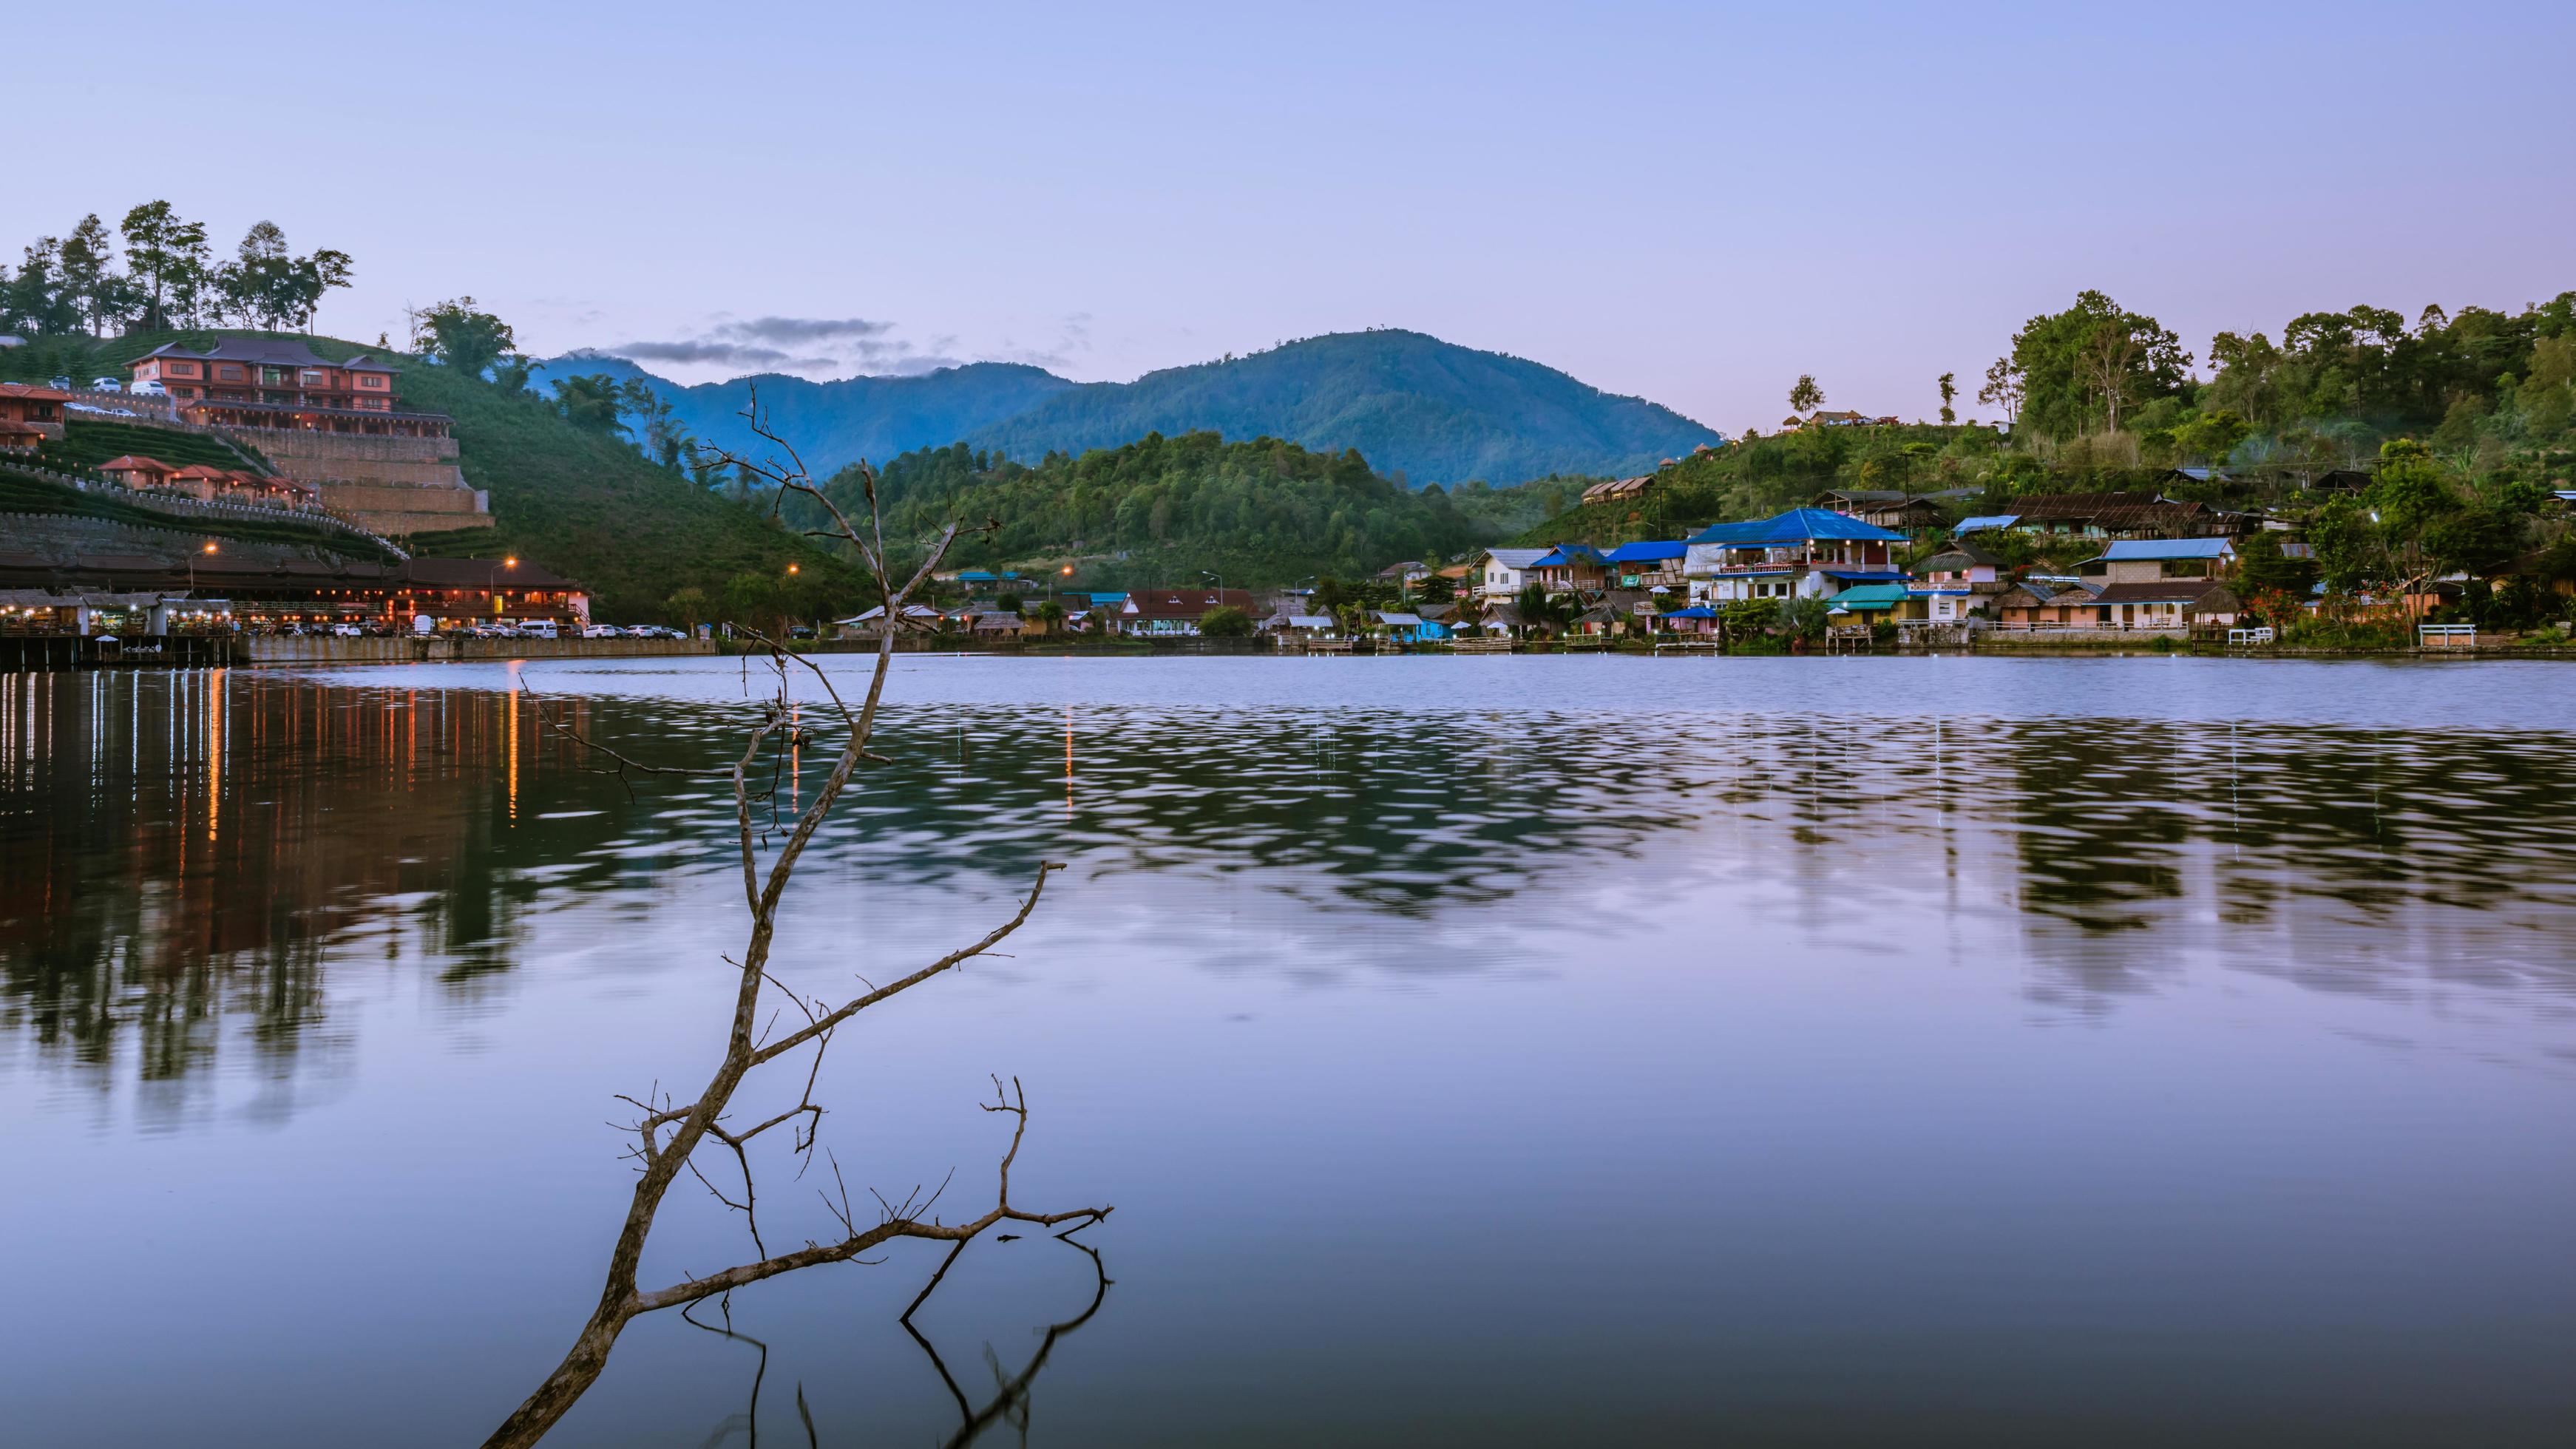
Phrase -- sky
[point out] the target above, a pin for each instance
(1691, 203)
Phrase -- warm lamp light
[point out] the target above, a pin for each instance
(791, 568)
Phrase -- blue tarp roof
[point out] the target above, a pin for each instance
(1569, 553)
(2159, 548)
(976, 576)
(1985, 521)
(1695, 611)
(1798, 525)
(1648, 552)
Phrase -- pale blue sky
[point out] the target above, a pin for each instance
(1693, 203)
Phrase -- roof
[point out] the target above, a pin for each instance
(1517, 558)
(1618, 488)
(1870, 596)
(1648, 552)
(2165, 591)
(1961, 556)
(1312, 621)
(1695, 611)
(1399, 621)
(979, 576)
(1570, 555)
(1185, 603)
(273, 351)
(33, 393)
(2163, 548)
(1798, 525)
(132, 463)
(1985, 521)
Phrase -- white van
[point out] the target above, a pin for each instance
(537, 629)
(149, 387)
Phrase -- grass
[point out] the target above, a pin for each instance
(87, 444)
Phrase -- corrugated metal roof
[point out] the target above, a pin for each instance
(1798, 525)
(2164, 548)
(1985, 521)
(1648, 552)
(1870, 596)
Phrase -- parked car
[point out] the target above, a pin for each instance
(602, 631)
(107, 384)
(346, 631)
(60, 384)
(150, 387)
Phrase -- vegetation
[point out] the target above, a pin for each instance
(21, 492)
(1262, 512)
(167, 277)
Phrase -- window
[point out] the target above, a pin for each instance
(228, 374)
(368, 380)
(182, 369)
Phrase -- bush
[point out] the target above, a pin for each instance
(1225, 622)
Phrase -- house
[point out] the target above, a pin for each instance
(1612, 490)
(997, 624)
(1803, 553)
(2145, 560)
(1174, 613)
(2042, 604)
(2161, 606)
(1953, 583)
(1870, 603)
(1409, 628)
(1697, 619)
(30, 414)
(1648, 565)
(1500, 618)
(1891, 508)
(1411, 571)
(1309, 626)
(133, 471)
(1505, 571)
(915, 619)
(1984, 521)
(1571, 567)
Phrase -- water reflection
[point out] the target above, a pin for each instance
(186, 856)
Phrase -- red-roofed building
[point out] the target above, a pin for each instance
(135, 471)
(1170, 612)
(30, 414)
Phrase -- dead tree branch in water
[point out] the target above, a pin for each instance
(670, 1134)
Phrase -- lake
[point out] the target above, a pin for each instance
(1508, 1051)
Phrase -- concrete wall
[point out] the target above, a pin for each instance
(283, 443)
(274, 649)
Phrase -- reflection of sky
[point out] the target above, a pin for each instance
(1647, 1054)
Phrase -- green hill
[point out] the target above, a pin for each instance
(1160, 510)
(584, 504)
(1421, 409)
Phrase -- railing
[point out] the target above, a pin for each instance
(156, 502)
(2446, 636)
(2239, 638)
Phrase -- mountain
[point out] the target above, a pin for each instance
(834, 423)
(1414, 406)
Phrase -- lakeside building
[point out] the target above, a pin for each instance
(1505, 571)
(1174, 613)
(1571, 567)
(1649, 565)
(2147, 560)
(1954, 583)
(1803, 553)
(261, 593)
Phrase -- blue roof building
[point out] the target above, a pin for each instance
(1803, 553)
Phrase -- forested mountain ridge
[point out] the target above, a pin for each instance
(1163, 509)
(831, 424)
(1421, 410)
(1418, 408)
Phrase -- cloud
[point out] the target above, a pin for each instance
(706, 352)
(806, 330)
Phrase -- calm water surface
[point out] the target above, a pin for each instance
(1491, 1051)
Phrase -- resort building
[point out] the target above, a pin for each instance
(1954, 583)
(1169, 613)
(269, 382)
(1571, 567)
(30, 414)
(264, 592)
(1648, 565)
(1505, 571)
(1803, 553)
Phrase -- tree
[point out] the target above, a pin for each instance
(160, 251)
(688, 604)
(669, 1134)
(592, 403)
(2003, 390)
(2212, 437)
(1225, 622)
(1804, 395)
(465, 337)
(2261, 568)
(88, 277)
(1804, 618)
(1949, 395)
(2093, 357)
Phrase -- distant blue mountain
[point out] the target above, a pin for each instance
(1410, 403)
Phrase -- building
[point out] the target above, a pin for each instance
(1571, 567)
(276, 382)
(2044, 604)
(1648, 565)
(2146, 560)
(1954, 583)
(1174, 613)
(2165, 606)
(268, 592)
(1803, 553)
(30, 415)
(1613, 490)
(135, 471)
(1505, 571)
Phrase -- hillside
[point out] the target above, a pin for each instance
(1415, 406)
(583, 504)
(836, 423)
(1161, 510)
